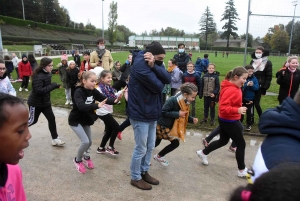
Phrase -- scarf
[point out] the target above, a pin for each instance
(171, 68)
(100, 52)
(107, 91)
(292, 70)
(179, 126)
(259, 64)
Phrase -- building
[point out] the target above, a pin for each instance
(165, 41)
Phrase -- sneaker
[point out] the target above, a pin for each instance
(161, 160)
(67, 102)
(141, 184)
(57, 142)
(71, 102)
(204, 142)
(21, 89)
(101, 150)
(212, 122)
(119, 102)
(88, 163)
(203, 157)
(119, 136)
(112, 151)
(203, 121)
(79, 166)
(243, 174)
(232, 149)
(26, 89)
(248, 128)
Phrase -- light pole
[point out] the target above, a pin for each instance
(102, 21)
(291, 37)
(23, 10)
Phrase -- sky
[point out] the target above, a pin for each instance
(145, 15)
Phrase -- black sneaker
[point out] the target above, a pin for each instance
(112, 151)
(203, 121)
(248, 128)
(101, 150)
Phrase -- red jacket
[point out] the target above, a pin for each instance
(230, 101)
(24, 69)
(82, 66)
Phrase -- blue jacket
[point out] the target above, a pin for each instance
(201, 65)
(249, 91)
(145, 89)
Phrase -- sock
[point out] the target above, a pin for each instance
(86, 157)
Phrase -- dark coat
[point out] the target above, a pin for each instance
(125, 69)
(72, 76)
(9, 66)
(210, 84)
(182, 60)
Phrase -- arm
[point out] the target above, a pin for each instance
(255, 86)
(201, 88)
(281, 77)
(268, 76)
(11, 89)
(198, 81)
(82, 67)
(217, 85)
(226, 103)
(184, 63)
(80, 102)
(37, 85)
(168, 111)
(100, 97)
(20, 70)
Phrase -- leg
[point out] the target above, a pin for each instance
(26, 78)
(213, 134)
(212, 108)
(206, 106)
(111, 128)
(173, 91)
(174, 144)
(84, 138)
(250, 115)
(124, 124)
(157, 142)
(17, 70)
(23, 82)
(257, 102)
(48, 112)
(34, 114)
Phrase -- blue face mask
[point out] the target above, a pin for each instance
(181, 50)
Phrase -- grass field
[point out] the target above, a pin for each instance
(223, 65)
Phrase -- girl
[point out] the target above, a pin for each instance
(230, 111)
(104, 113)
(72, 78)
(39, 99)
(116, 73)
(32, 62)
(175, 109)
(9, 66)
(125, 69)
(14, 137)
(25, 71)
(62, 71)
(5, 84)
(82, 116)
(176, 76)
(289, 79)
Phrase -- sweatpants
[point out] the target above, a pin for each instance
(233, 130)
(25, 82)
(85, 136)
(174, 144)
(209, 104)
(34, 113)
(111, 130)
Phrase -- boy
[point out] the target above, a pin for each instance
(77, 59)
(204, 63)
(193, 77)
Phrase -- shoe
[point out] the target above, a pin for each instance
(67, 102)
(112, 151)
(119, 102)
(204, 142)
(79, 166)
(161, 160)
(88, 163)
(212, 122)
(141, 184)
(21, 89)
(248, 128)
(26, 89)
(119, 136)
(57, 142)
(150, 180)
(101, 150)
(203, 121)
(71, 102)
(203, 157)
(232, 149)
(243, 174)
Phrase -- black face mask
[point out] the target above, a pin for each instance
(159, 63)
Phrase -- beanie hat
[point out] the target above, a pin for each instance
(64, 57)
(24, 55)
(71, 61)
(97, 70)
(155, 48)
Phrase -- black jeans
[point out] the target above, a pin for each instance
(209, 104)
(174, 144)
(34, 113)
(193, 113)
(111, 130)
(249, 114)
(256, 102)
(17, 73)
(72, 93)
(233, 130)
(118, 85)
(25, 82)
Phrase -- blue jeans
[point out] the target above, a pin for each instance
(144, 136)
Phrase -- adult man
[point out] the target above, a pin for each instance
(182, 57)
(101, 56)
(15, 61)
(144, 107)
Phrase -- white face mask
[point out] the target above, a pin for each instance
(102, 47)
(258, 56)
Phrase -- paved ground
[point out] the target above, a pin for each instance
(49, 173)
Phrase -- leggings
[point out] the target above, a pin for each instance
(125, 124)
(256, 102)
(84, 134)
(174, 144)
(111, 130)
(25, 82)
(34, 113)
(233, 130)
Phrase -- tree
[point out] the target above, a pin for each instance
(296, 34)
(112, 22)
(153, 32)
(230, 14)
(126, 32)
(280, 39)
(207, 24)
(89, 25)
(250, 39)
(144, 33)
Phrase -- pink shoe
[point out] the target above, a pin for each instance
(79, 167)
(88, 163)
(119, 136)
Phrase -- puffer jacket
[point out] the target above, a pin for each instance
(210, 84)
(24, 69)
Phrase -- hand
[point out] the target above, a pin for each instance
(212, 95)
(250, 102)
(242, 110)
(100, 104)
(150, 58)
(127, 62)
(182, 113)
(118, 98)
(195, 120)
(283, 72)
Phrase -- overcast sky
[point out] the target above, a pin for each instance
(141, 15)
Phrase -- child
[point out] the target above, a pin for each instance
(172, 123)
(125, 71)
(193, 77)
(116, 73)
(82, 116)
(210, 87)
(14, 137)
(230, 111)
(250, 87)
(24, 72)
(176, 76)
(5, 84)
(72, 78)
(104, 113)
(77, 59)
(204, 63)
(62, 71)
(85, 64)
(9, 66)
(289, 79)
(39, 99)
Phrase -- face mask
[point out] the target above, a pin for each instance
(159, 63)
(258, 56)
(186, 101)
(181, 50)
(102, 47)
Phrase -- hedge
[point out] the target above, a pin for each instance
(31, 39)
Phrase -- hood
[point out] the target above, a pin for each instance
(226, 83)
(282, 120)
(266, 53)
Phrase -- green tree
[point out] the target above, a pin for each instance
(144, 33)
(112, 22)
(126, 32)
(250, 39)
(154, 32)
(296, 34)
(280, 39)
(89, 25)
(231, 16)
(207, 24)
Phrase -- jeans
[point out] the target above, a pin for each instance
(68, 93)
(144, 136)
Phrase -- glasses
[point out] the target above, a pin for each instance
(3, 69)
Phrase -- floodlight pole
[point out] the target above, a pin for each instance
(23, 10)
(291, 37)
(102, 21)
(247, 32)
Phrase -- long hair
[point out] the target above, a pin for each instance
(43, 64)
(238, 71)
(188, 88)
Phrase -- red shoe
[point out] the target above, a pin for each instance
(119, 136)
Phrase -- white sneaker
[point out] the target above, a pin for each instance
(244, 173)
(161, 160)
(203, 157)
(67, 102)
(71, 102)
(57, 142)
(26, 89)
(21, 89)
